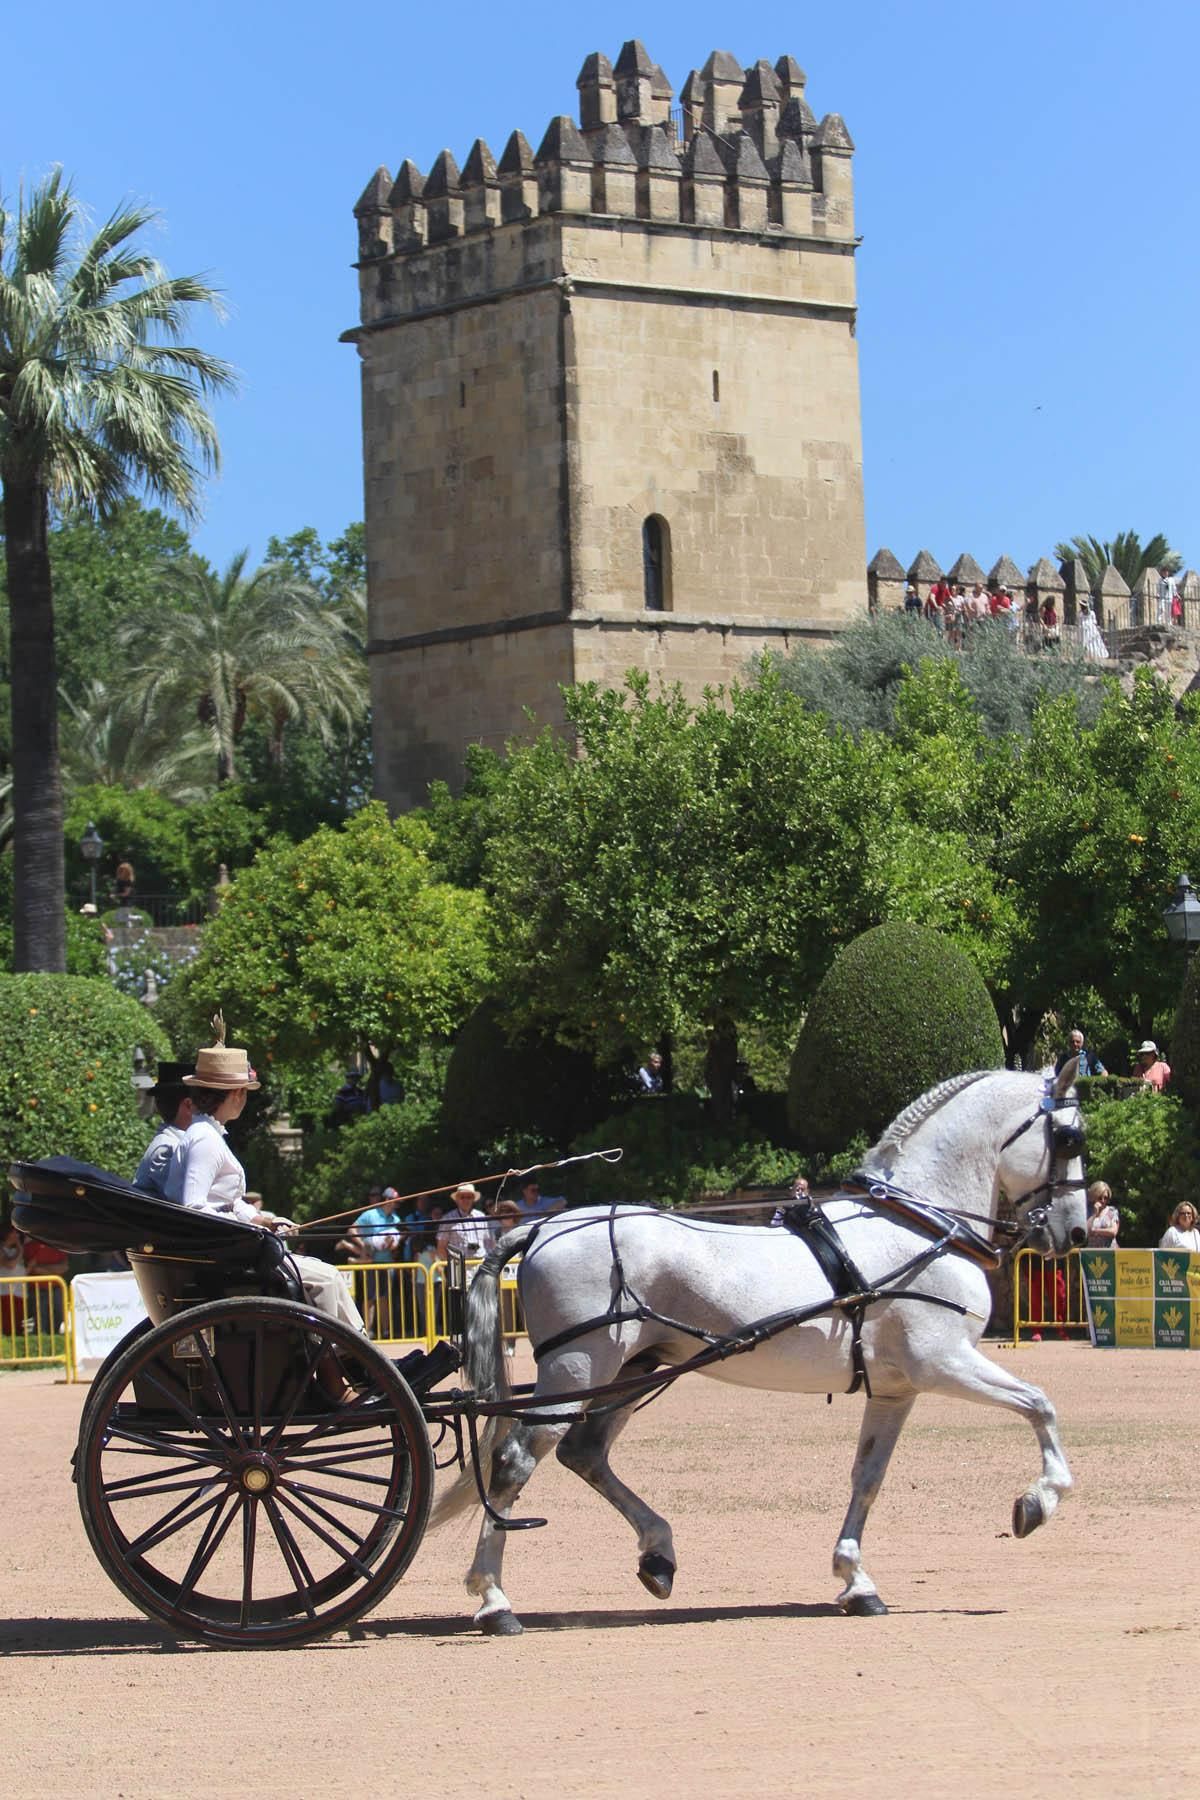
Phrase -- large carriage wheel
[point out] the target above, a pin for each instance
(232, 1491)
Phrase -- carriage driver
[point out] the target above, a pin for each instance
(206, 1176)
(174, 1106)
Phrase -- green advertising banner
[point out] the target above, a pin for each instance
(1142, 1299)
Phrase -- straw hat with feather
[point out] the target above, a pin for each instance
(220, 1066)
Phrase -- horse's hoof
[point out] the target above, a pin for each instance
(864, 1606)
(1028, 1514)
(501, 1624)
(657, 1575)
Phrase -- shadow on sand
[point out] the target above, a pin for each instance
(139, 1637)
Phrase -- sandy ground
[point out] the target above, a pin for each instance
(1065, 1664)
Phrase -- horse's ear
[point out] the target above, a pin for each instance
(1065, 1078)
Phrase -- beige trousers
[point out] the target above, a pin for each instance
(325, 1289)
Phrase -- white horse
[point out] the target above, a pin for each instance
(619, 1292)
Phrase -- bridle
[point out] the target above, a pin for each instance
(1064, 1141)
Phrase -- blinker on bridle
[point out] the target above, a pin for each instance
(1064, 1141)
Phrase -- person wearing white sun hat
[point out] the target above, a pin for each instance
(205, 1175)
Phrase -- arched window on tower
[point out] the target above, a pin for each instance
(656, 564)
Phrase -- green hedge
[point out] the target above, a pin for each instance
(66, 1067)
(900, 1009)
(672, 1156)
(1148, 1150)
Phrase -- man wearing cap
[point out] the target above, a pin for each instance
(1151, 1067)
(174, 1106)
(465, 1226)
(206, 1176)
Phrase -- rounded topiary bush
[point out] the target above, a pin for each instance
(500, 1089)
(900, 1009)
(66, 1068)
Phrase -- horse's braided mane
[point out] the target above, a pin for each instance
(917, 1111)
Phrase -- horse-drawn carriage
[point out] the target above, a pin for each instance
(254, 1472)
(250, 1471)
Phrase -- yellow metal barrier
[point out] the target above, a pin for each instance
(1048, 1297)
(36, 1323)
(407, 1302)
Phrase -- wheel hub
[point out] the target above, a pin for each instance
(256, 1474)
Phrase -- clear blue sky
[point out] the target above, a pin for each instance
(1026, 185)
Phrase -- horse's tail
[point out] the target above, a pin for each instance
(484, 1368)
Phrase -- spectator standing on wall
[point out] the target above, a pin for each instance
(649, 1076)
(1183, 1233)
(1151, 1066)
(1089, 1062)
(1103, 1220)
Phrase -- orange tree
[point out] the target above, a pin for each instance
(345, 944)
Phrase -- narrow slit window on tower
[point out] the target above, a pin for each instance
(716, 384)
(656, 564)
(462, 393)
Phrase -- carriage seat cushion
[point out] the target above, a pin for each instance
(77, 1207)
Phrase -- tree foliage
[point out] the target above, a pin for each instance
(99, 397)
(899, 1010)
(523, 1089)
(246, 645)
(856, 682)
(1126, 552)
(1148, 1150)
(66, 1070)
(343, 945)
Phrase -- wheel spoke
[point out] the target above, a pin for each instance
(168, 1525)
(298, 1569)
(148, 1446)
(214, 1375)
(345, 1418)
(188, 1413)
(354, 1562)
(315, 1352)
(389, 1512)
(249, 1530)
(210, 1542)
(330, 1468)
(256, 1385)
(129, 1489)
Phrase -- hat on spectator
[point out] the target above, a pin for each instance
(1149, 1046)
(391, 1193)
(465, 1187)
(221, 1067)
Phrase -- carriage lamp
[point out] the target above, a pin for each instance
(91, 848)
(1182, 917)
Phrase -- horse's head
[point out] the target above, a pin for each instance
(1041, 1168)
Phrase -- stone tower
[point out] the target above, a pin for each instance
(610, 404)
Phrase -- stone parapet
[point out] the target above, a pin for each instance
(779, 171)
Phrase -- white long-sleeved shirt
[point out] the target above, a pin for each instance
(206, 1176)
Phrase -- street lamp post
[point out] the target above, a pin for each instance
(91, 848)
(1182, 917)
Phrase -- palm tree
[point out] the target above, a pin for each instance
(106, 743)
(98, 398)
(1126, 553)
(238, 645)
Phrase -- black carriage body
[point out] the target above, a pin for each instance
(250, 1471)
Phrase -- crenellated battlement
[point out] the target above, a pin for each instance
(743, 152)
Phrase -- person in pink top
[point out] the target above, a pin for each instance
(1151, 1066)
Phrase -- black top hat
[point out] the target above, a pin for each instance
(170, 1075)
